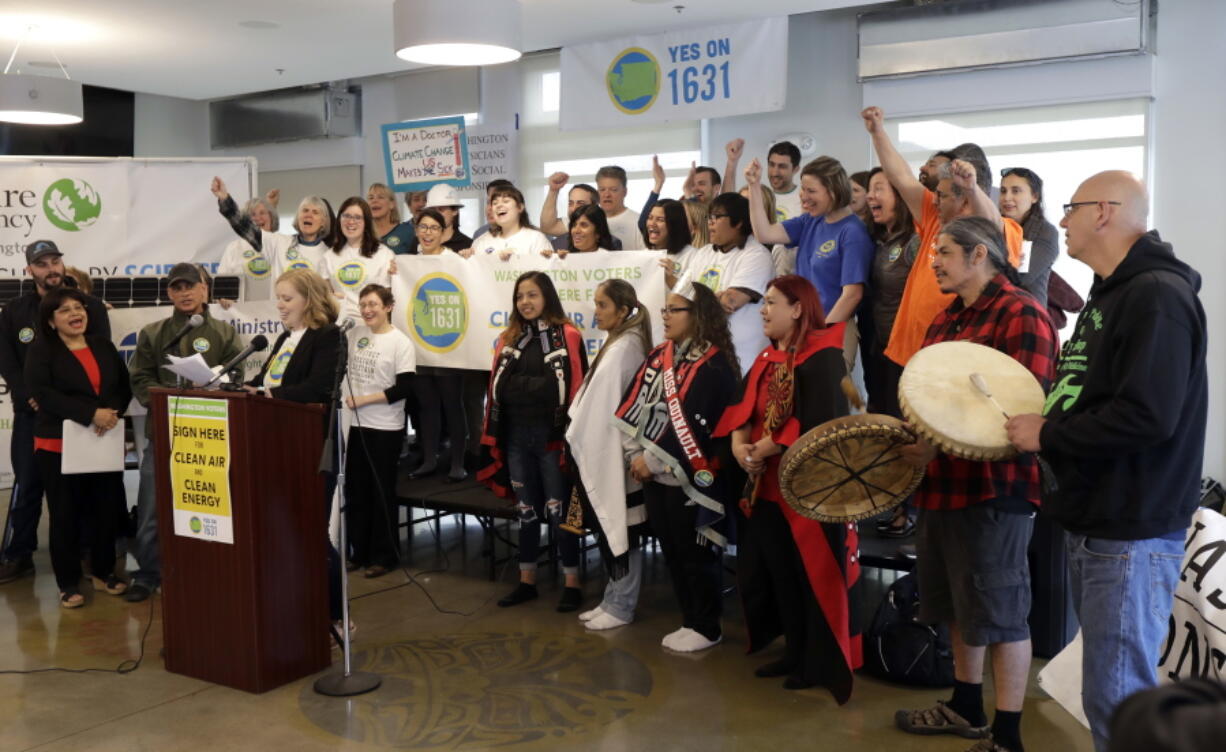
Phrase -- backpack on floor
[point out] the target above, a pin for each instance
(900, 648)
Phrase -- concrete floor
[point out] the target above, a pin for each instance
(525, 678)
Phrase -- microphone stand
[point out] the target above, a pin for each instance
(349, 682)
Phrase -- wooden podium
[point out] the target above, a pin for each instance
(252, 614)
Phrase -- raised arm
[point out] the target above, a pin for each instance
(981, 203)
(550, 223)
(657, 174)
(733, 151)
(896, 169)
(240, 223)
(767, 234)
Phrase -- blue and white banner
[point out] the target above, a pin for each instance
(454, 309)
(717, 71)
(420, 153)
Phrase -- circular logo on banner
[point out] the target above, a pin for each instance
(633, 81)
(258, 267)
(363, 343)
(26, 335)
(704, 478)
(71, 205)
(826, 248)
(439, 316)
(200, 345)
(127, 347)
(195, 524)
(351, 275)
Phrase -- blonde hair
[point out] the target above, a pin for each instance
(84, 282)
(393, 213)
(696, 212)
(321, 305)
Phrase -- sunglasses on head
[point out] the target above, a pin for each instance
(1021, 172)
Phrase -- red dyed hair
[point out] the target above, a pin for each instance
(797, 289)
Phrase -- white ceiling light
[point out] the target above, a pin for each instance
(457, 32)
(39, 100)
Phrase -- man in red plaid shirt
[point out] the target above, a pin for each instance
(976, 517)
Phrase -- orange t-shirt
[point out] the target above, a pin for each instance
(922, 298)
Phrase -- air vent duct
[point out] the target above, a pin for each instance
(286, 115)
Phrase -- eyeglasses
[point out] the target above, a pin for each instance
(713, 217)
(1069, 208)
(670, 310)
(428, 228)
(352, 218)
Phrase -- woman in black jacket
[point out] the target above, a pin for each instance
(80, 378)
(302, 368)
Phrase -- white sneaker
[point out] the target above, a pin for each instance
(691, 642)
(674, 635)
(604, 620)
(587, 616)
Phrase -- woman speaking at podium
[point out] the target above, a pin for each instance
(76, 378)
(301, 369)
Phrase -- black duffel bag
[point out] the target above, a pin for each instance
(900, 648)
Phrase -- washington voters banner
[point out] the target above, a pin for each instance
(717, 71)
(454, 309)
(117, 217)
(1196, 643)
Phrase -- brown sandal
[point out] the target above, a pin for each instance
(939, 719)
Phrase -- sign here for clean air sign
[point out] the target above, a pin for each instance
(717, 71)
(422, 153)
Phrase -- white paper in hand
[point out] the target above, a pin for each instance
(193, 369)
(86, 452)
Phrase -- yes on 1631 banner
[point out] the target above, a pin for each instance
(717, 71)
(454, 309)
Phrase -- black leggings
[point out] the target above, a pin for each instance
(74, 501)
(370, 495)
(439, 396)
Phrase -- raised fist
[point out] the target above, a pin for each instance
(558, 181)
(219, 189)
(734, 149)
(753, 172)
(873, 117)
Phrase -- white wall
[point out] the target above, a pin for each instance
(169, 127)
(1188, 156)
(823, 98)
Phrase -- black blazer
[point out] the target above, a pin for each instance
(58, 383)
(311, 369)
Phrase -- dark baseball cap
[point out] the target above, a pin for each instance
(184, 272)
(40, 248)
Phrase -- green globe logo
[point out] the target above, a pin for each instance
(195, 524)
(351, 275)
(439, 315)
(71, 205)
(633, 81)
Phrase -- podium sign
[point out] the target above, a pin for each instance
(200, 468)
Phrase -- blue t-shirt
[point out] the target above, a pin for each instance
(401, 239)
(831, 255)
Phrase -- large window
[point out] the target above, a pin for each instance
(1064, 144)
(545, 148)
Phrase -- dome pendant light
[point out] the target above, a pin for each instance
(39, 100)
(457, 32)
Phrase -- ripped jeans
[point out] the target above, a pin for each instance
(541, 489)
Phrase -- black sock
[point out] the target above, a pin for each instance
(968, 702)
(1007, 730)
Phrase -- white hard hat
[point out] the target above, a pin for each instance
(441, 195)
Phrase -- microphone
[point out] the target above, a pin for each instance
(349, 324)
(195, 321)
(258, 343)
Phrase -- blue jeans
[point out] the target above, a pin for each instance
(26, 502)
(541, 489)
(145, 544)
(1122, 592)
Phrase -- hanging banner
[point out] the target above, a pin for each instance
(116, 217)
(200, 467)
(454, 309)
(1196, 643)
(422, 153)
(717, 71)
(493, 153)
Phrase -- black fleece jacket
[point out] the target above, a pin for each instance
(1125, 431)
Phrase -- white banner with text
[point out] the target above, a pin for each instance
(717, 71)
(454, 309)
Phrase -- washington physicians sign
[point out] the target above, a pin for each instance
(717, 71)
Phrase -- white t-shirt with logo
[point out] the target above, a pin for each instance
(349, 271)
(374, 362)
(524, 242)
(280, 360)
(241, 260)
(287, 253)
(750, 268)
(681, 259)
(625, 227)
(787, 205)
